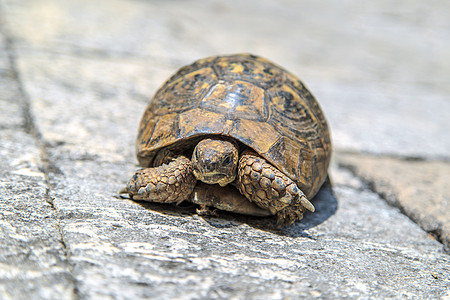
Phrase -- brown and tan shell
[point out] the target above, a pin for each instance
(249, 99)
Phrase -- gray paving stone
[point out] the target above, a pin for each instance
(354, 245)
(32, 252)
(380, 69)
(402, 123)
(420, 188)
(89, 69)
(11, 115)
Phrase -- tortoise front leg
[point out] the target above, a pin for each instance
(269, 188)
(172, 182)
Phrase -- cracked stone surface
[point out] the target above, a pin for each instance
(420, 188)
(32, 252)
(75, 77)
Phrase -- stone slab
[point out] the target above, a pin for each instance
(371, 65)
(32, 252)
(11, 115)
(354, 244)
(420, 188)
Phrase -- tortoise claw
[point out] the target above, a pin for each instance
(124, 193)
(306, 204)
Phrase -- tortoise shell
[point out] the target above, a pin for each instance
(249, 99)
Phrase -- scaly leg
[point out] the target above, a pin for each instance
(269, 188)
(172, 182)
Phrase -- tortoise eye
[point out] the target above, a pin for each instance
(227, 160)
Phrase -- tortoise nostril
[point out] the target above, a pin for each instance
(209, 165)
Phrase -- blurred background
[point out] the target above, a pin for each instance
(380, 69)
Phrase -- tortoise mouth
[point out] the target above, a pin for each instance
(216, 178)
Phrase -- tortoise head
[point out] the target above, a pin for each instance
(215, 161)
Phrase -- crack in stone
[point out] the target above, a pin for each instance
(30, 128)
(397, 156)
(392, 200)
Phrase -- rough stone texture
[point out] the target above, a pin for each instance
(32, 251)
(420, 188)
(84, 71)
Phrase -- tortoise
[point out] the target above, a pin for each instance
(234, 132)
